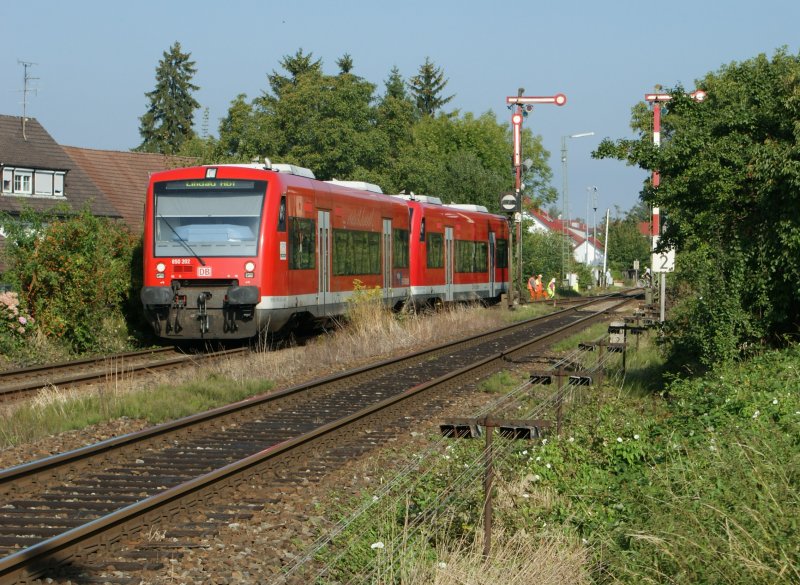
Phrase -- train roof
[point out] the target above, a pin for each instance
(362, 185)
(421, 198)
(269, 166)
(468, 207)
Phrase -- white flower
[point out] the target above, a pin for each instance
(712, 448)
(572, 439)
(636, 437)
(536, 477)
(442, 565)
(756, 413)
(544, 441)
(525, 452)
(548, 466)
(774, 401)
(619, 439)
(377, 545)
(526, 496)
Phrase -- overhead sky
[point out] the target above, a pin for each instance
(94, 61)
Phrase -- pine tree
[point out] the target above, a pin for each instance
(296, 65)
(167, 124)
(427, 86)
(345, 63)
(395, 86)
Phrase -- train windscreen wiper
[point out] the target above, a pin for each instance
(182, 241)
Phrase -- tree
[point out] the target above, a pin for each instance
(465, 159)
(395, 117)
(626, 244)
(427, 87)
(296, 66)
(167, 124)
(729, 169)
(345, 63)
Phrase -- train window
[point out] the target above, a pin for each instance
(471, 256)
(282, 214)
(400, 248)
(435, 250)
(422, 230)
(302, 238)
(356, 252)
(502, 254)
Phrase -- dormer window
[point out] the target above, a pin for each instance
(33, 182)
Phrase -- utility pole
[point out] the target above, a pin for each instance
(524, 105)
(566, 248)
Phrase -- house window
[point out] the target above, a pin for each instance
(22, 182)
(40, 183)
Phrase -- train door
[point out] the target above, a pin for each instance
(491, 264)
(448, 264)
(387, 259)
(323, 260)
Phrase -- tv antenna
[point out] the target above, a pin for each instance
(25, 91)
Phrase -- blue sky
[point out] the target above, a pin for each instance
(95, 60)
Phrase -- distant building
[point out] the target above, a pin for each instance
(582, 248)
(37, 174)
(41, 175)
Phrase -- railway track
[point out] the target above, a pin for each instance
(68, 508)
(19, 383)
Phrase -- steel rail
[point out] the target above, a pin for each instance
(130, 519)
(107, 366)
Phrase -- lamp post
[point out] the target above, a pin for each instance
(589, 191)
(565, 215)
(594, 225)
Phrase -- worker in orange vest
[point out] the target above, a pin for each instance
(538, 287)
(532, 286)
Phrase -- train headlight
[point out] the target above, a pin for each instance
(250, 266)
(161, 267)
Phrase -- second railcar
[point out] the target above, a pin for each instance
(458, 252)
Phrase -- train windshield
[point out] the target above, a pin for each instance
(208, 217)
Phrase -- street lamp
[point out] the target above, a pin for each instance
(589, 192)
(565, 215)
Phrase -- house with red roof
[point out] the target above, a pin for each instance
(585, 250)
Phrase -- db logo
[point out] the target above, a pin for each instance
(204, 271)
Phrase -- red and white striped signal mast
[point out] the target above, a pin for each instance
(524, 106)
(656, 99)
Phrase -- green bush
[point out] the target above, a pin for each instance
(73, 271)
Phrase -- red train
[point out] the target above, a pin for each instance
(234, 250)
